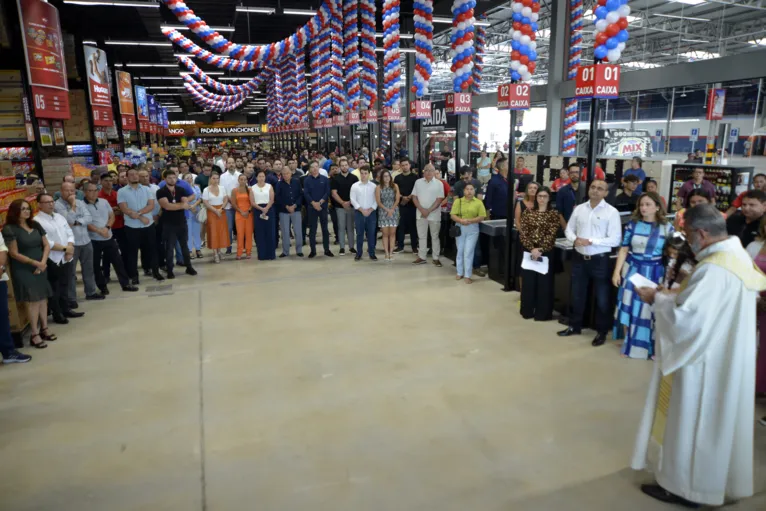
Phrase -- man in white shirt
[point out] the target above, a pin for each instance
(229, 180)
(366, 221)
(451, 165)
(595, 229)
(61, 240)
(428, 195)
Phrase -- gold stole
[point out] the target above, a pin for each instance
(753, 279)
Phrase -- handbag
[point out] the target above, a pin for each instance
(202, 215)
(454, 230)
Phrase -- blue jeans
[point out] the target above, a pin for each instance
(6, 341)
(466, 244)
(284, 221)
(232, 228)
(369, 225)
(195, 242)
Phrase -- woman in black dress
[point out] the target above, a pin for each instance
(29, 248)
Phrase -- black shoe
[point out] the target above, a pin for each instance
(569, 331)
(329, 254)
(147, 273)
(599, 340)
(398, 250)
(228, 251)
(372, 257)
(157, 276)
(191, 271)
(73, 314)
(352, 250)
(164, 268)
(73, 305)
(358, 258)
(342, 252)
(60, 320)
(658, 492)
(131, 289)
(312, 255)
(16, 357)
(171, 275)
(336, 242)
(97, 296)
(134, 281)
(104, 291)
(282, 255)
(299, 254)
(107, 279)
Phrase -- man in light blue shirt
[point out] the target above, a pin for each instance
(137, 203)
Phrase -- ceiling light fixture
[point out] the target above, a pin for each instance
(113, 3)
(138, 43)
(158, 77)
(256, 10)
(298, 12)
(679, 17)
(131, 64)
(448, 21)
(694, 40)
(401, 50)
(92, 43)
(184, 27)
(689, 2)
(401, 36)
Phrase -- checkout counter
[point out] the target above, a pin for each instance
(495, 231)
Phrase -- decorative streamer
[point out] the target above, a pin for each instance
(261, 54)
(391, 65)
(210, 58)
(569, 142)
(478, 68)
(215, 97)
(424, 46)
(462, 44)
(210, 105)
(251, 86)
(351, 53)
(325, 92)
(523, 39)
(336, 66)
(611, 29)
(369, 74)
(301, 101)
(287, 81)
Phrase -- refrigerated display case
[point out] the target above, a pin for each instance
(729, 181)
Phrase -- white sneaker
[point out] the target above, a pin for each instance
(762, 422)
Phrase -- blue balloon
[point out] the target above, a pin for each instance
(622, 36)
(612, 5)
(601, 12)
(532, 55)
(600, 52)
(612, 43)
(457, 88)
(515, 45)
(525, 20)
(524, 50)
(517, 16)
(533, 25)
(515, 75)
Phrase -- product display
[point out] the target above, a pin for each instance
(725, 178)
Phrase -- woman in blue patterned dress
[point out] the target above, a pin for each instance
(643, 244)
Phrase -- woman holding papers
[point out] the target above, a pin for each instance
(538, 237)
(643, 245)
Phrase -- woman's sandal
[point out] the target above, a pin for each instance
(459, 277)
(40, 345)
(45, 335)
(468, 281)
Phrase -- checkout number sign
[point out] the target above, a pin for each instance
(513, 96)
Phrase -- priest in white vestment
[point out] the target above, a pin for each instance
(698, 424)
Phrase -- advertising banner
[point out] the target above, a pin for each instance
(230, 131)
(152, 113)
(715, 104)
(142, 107)
(98, 86)
(125, 93)
(44, 52)
(165, 118)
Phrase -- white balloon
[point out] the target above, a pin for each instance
(526, 76)
(462, 25)
(614, 55)
(533, 45)
(526, 11)
(621, 46)
(624, 11)
(516, 35)
(525, 40)
(534, 17)
(523, 69)
(612, 17)
(515, 64)
(517, 6)
(601, 25)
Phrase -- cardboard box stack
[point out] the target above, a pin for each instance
(12, 126)
(77, 129)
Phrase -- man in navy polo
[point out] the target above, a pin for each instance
(316, 191)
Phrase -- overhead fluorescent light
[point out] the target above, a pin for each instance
(234, 78)
(92, 43)
(401, 50)
(256, 10)
(184, 27)
(138, 43)
(147, 64)
(114, 3)
(163, 87)
(158, 77)
(694, 40)
(689, 2)
(187, 55)
(298, 12)
(448, 21)
(758, 42)
(641, 65)
(699, 55)
(679, 17)
(209, 73)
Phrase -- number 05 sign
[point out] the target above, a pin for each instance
(513, 96)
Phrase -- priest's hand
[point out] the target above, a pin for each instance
(646, 294)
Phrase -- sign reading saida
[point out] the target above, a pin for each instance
(229, 131)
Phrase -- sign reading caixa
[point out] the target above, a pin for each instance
(229, 131)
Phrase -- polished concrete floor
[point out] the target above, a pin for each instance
(322, 385)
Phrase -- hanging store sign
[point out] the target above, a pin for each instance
(439, 119)
(353, 118)
(176, 132)
(230, 131)
(715, 104)
(370, 116)
(338, 121)
(98, 86)
(458, 103)
(125, 100)
(142, 105)
(392, 113)
(601, 81)
(420, 109)
(44, 52)
(152, 114)
(513, 96)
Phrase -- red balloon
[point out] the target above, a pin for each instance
(526, 30)
(515, 55)
(601, 2)
(622, 23)
(613, 29)
(527, 3)
(536, 7)
(465, 85)
(524, 59)
(532, 66)
(413, 89)
(517, 25)
(601, 38)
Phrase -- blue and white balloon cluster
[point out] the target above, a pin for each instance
(523, 39)
(611, 29)
(462, 44)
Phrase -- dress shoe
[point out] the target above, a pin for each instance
(373, 257)
(73, 305)
(191, 271)
(171, 275)
(73, 314)
(569, 331)
(357, 258)
(131, 289)
(61, 320)
(312, 255)
(329, 254)
(147, 273)
(281, 256)
(157, 276)
(104, 291)
(134, 281)
(658, 492)
(599, 340)
(96, 296)
(299, 254)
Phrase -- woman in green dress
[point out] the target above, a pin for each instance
(29, 248)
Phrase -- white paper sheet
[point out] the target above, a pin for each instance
(640, 281)
(540, 266)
